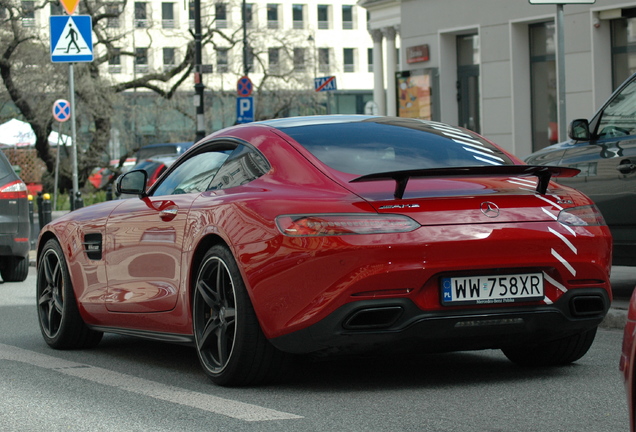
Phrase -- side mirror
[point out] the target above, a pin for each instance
(133, 183)
(579, 130)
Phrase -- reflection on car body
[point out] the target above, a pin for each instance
(604, 149)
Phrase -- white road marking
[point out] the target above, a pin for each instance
(206, 402)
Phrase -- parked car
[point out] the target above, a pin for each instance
(15, 227)
(152, 150)
(101, 177)
(628, 361)
(333, 234)
(604, 149)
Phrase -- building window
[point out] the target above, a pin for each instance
(272, 16)
(323, 17)
(248, 14)
(347, 17)
(169, 60)
(222, 60)
(141, 15)
(141, 60)
(543, 85)
(112, 15)
(56, 8)
(323, 60)
(273, 60)
(167, 15)
(298, 16)
(114, 62)
(191, 15)
(623, 49)
(349, 59)
(370, 59)
(28, 14)
(299, 59)
(220, 12)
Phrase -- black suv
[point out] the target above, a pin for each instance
(14, 224)
(604, 149)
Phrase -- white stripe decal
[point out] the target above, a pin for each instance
(558, 207)
(566, 264)
(549, 213)
(564, 240)
(144, 387)
(555, 283)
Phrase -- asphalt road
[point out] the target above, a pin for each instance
(126, 384)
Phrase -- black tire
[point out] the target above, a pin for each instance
(59, 318)
(15, 269)
(230, 343)
(555, 353)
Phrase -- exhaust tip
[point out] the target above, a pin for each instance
(373, 318)
(587, 305)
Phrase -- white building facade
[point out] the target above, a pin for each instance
(491, 66)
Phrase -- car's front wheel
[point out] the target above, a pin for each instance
(554, 353)
(60, 321)
(230, 343)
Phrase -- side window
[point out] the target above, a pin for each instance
(619, 117)
(194, 175)
(244, 165)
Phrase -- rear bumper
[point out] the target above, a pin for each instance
(392, 323)
(10, 247)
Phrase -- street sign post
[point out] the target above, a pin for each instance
(325, 83)
(245, 109)
(71, 39)
(61, 110)
(244, 86)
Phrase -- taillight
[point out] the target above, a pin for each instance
(343, 224)
(581, 216)
(13, 190)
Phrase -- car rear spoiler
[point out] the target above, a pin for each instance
(401, 178)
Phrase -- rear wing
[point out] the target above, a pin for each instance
(401, 178)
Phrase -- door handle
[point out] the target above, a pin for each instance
(626, 167)
(168, 213)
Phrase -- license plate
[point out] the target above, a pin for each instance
(509, 288)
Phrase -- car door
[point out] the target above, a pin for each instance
(608, 165)
(144, 263)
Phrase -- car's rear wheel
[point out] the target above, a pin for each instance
(60, 321)
(230, 343)
(14, 269)
(554, 353)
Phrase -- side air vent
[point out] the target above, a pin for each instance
(93, 246)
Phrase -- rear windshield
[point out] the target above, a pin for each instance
(372, 147)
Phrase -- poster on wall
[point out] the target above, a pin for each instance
(414, 95)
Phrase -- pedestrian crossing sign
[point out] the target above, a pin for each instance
(71, 39)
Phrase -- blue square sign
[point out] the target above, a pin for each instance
(71, 38)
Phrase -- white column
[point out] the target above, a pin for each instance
(391, 62)
(378, 72)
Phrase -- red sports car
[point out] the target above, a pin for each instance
(333, 234)
(628, 361)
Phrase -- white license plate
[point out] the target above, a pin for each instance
(507, 288)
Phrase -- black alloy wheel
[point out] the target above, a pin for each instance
(59, 318)
(230, 344)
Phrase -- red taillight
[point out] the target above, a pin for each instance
(13, 190)
(343, 224)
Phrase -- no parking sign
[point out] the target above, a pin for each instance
(61, 110)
